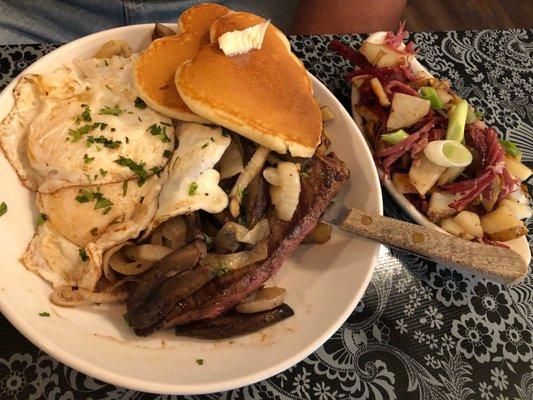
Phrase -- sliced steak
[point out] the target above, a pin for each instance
(323, 178)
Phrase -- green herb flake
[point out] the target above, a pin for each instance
(3, 208)
(240, 191)
(106, 210)
(193, 188)
(108, 143)
(94, 231)
(102, 202)
(44, 314)
(41, 219)
(205, 145)
(225, 132)
(159, 131)
(83, 255)
(106, 110)
(124, 188)
(138, 169)
(86, 114)
(208, 239)
(106, 63)
(139, 103)
(103, 172)
(220, 270)
(212, 139)
(200, 361)
(84, 196)
(87, 159)
(167, 154)
(304, 174)
(127, 319)
(76, 135)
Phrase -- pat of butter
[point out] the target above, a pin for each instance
(239, 42)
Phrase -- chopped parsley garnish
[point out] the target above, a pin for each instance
(205, 145)
(94, 231)
(139, 103)
(212, 139)
(221, 270)
(106, 110)
(124, 188)
(110, 144)
(137, 169)
(101, 125)
(113, 130)
(225, 132)
(76, 135)
(193, 188)
(83, 255)
(85, 115)
(156, 170)
(240, 191)
(101, 201)
(159, 131)
(167, 154)
(305, 174)
(3, 208)
(87, 159)
(166, 124)
(106, 210)
(106, 63)
(44, 314)
(41, 219)
(208, 239)
(103, 172)
(478, 114)
(200, 361)
(85, 196)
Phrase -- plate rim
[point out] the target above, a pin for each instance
(107, 375)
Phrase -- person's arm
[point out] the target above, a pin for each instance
(346, 16)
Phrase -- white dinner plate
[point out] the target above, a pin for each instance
(520, 245)
(324, 282)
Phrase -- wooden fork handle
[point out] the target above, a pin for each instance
(493, 262)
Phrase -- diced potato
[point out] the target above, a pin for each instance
(451, 227)
(366, 113)
(489, 201)
(326, 113)
(499, 220)
(439, 205)
(516, 168)
(424, 174)
(402, 183)
(358, 80)
(114, 48)
(519, 196)
(321, 234)
(450, 175)
(469, 222)
(406, 110)
(383, 56)
(519, 211)
(509, 234)
(378, 90)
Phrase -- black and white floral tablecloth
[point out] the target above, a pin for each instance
(422, 330)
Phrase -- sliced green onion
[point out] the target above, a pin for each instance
(456, 123)
(395, 137)
(510, 148)
(448, 153)
(429, 93)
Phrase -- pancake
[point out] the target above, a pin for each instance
(155, 69)
(265, 95)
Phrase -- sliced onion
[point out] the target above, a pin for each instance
(285, 188)
(238, 260)
(448, 153)
(109, 273)
(250, 171)
(231, 161)
(231, 234)
(123, 265)
(146, 252)
(262, 300)
(171, 233)
(74, 296)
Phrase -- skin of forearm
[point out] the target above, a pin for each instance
(346, 16)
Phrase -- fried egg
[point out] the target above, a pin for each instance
(83, 124)
(77, 225)
(190, 182)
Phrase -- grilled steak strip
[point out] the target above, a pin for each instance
(322, 179)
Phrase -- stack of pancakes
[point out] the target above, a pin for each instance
(264, 95)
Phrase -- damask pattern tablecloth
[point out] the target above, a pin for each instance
(422, 330)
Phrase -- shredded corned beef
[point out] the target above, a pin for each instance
(349, 54)
(493, 165)
(486, 240)
(399, 87)
(507, 184)
(394, 40)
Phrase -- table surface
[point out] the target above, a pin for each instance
(422, 330)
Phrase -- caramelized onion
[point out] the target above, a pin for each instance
(74, 296)
(262, 300)
(123, 265)
(171, 233)
(231, 161)
(285, 188)
(233, 261)
(146, 252)
(231, 234)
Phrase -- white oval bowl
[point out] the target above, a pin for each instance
(520, 245)
(324, 282)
